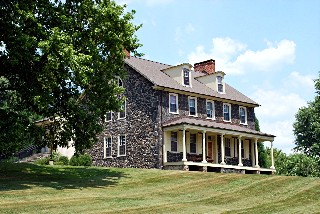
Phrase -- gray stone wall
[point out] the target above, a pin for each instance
(141, 128)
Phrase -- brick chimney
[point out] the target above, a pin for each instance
(207, 66)
(127, 53)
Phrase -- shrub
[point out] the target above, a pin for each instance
(42, 161)
(81, 160)
(64, 160)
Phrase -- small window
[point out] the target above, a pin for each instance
(227, 146)
(174, 141)
(210, 109)
(108, 145)
(186, 77)
(193, 143)
(173, 103)
(122, 113)
(120, 82)
(220, 84)
(226, 112)
(192, 106)
(122, 145)
(108, 116)
(243, 115)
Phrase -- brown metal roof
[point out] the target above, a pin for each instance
(152, 71)
(213, 124)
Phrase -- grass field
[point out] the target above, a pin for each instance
(28, 188)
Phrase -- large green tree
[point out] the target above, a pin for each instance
(61, 60)
(306, 128)
(261, 149)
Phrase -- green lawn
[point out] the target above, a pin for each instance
(28, 188)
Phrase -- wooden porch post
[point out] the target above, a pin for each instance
(239, 153)
(204, 147)
(272, 160)
(184, 157)
(256, 152)
(222, 150)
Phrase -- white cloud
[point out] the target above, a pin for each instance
(276, 115)
(276, 103)
(301, 82)
(269, 59)
(224, 51)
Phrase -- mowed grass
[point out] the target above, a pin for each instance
(28, 188)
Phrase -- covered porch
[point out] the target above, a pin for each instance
(197, 147)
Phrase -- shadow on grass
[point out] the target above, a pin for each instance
(19, 176)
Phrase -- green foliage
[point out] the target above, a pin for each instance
(42, 161)
(81, 160)
(307, 126)
(64, 160)
(60, 59)
(297, 164)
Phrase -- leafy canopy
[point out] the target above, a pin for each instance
(306, 128)
(60, 59)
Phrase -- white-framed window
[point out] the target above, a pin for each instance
(108, 116)
(220, 84)
(243, 115)
(122, 113)
(227, 147)
(186, 77)
(174, 141)
(210, 109)
(173, 103)
(193, 143)
(107, 147)
(226, 112)
(120, 82)
(122, 145)
(192, 106)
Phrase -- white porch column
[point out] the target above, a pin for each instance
(204, 147)
(164, 152)
(184, 157)
(222, 150)
(239, 153)
(256, 152)
(272, 160)
(253, 157)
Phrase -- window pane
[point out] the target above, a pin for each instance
(227, 147)
(186, 74)
(193, 144)
(209, 110)
(220, 87)
(174, 141)
(123, 110)
(219, 79)
(192, 106)
(226, 112)
(173, 103)
(108, 116)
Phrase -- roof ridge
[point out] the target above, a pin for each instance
(151, 60)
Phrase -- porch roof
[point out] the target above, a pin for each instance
(214, 124)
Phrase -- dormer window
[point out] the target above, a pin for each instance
(186, 77)
(220, 84)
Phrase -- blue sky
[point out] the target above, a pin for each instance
(270, 50)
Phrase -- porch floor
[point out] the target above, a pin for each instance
(211, 167)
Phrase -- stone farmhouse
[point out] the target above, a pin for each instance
(181, 117)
